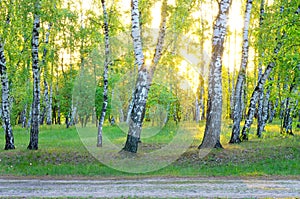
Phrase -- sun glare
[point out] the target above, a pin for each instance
(232, 53)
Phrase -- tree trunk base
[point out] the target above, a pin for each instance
(32, 147)
(244, 137)
(218, 145)
(131, 144)
(9, 147)
(235, 140)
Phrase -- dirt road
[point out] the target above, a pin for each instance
(151, 187)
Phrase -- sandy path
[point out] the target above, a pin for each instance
(151, 187)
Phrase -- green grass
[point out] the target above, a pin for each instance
(61, 153)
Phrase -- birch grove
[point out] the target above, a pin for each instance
(39, 78)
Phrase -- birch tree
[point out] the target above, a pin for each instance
(214, 106)
(145, 75)
(282, 36)
(260, 104)
(34, 129)
(105, 74)
(47, 105)
(255, 96)
(237, 111)
(9, 138)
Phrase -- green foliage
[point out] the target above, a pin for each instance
(66, 88)
(281, 27)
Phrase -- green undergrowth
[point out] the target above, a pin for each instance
(62, 154)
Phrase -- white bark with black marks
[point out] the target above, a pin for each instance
(288, 118)
(145, 75)
(9, 138)
(46, 101)
(260, 104)
(136, 34)
(261, 94)
(238, 101)
(34, 130)
(214, 106)
(6, 103)
(260, 86)
(265, 112)
(254, 99)
(49, 108)
(272, 109)
(105, 75)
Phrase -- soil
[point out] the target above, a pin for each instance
(151, 187)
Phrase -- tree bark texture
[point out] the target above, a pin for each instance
(237, 111)
(261, 94)
(49, 107)
(259, 87)
(145, 75)
(105, 75)
(214, 106)
(34, 130)
(46, 86)
(9, 138)
(272, 109)
(288, 118)
(260, 107)
(136, 34)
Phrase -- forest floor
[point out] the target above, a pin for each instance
(63, 167)
(152, 187)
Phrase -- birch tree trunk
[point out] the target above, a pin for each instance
(232, 96)
(260, 106)
(46, 87)
(24, 113)
(261, 92)
(9, 138)
(237, 111)
(260, 86)
(288, 119)
(145, 75)
(197, 110)
(272, 110)
(214, 109)
(255, 95)
(34, 130)
(49, 108)
(6, 105)
(265, 112)
(136, 34)
(105, 75)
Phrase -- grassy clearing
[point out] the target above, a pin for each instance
(63, 154)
